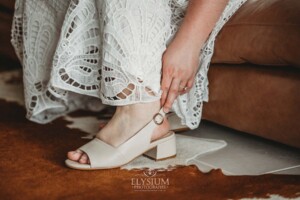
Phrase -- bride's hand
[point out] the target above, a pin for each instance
(180, 64)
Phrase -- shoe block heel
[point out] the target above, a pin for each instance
(163, 151)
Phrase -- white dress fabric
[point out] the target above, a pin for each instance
(80, 54)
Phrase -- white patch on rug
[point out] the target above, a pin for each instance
(188, 148)
(12, 92)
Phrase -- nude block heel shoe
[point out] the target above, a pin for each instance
(163, 151)
(105, 156)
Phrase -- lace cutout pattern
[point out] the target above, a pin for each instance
(83, 53)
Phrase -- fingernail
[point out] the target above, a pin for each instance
(166, 110)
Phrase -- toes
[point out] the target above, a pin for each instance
(75, 155)
(84, 159)
(78, 156)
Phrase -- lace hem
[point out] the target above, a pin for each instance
(75, 53)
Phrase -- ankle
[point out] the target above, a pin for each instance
(139, 109)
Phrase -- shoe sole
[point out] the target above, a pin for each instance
(116, 167)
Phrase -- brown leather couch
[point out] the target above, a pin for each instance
(254, 79)
(255, 75)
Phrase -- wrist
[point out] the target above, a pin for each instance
(193, 42)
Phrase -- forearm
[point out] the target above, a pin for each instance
(200, 19)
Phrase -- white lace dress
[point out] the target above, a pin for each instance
(79, 54)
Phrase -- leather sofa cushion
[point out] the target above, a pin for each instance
(256, 99)
(265, 32)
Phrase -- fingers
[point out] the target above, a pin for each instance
(166, 84)
(183, 87)
(172, 94)
(172, 87)
(189, 85)
(174, 83)
(178, 87)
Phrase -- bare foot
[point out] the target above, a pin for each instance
(126, 121)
